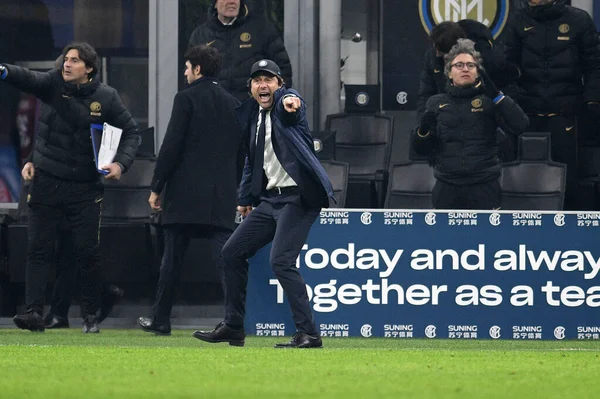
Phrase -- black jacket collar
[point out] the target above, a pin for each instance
(464, 92)
(81, 90)
(215, 24)
(200, 80)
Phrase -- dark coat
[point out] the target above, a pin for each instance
(504, 74)
(466, 149)
(556, 48)
(63, 145)
(197, 164)
(250, 39)
(290, 130)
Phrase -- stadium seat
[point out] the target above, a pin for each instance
(126, 224)
(364, 141)
(338, 174)
(533, 182)
(411, 185)
(324, 145)
(17, 239)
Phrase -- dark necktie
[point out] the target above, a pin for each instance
(259, 156)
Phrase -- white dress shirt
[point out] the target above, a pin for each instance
(276, 174)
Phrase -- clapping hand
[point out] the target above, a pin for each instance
(428, 121)
(489, 87)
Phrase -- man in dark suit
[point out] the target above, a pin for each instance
(197, 169)
(288, 187)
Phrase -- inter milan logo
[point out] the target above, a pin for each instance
(430, 331)
(402, 97)
(559, 219)
(564, 28)
(95, 107)
(366, 218)
(492, 13)
(430, 218)
(495, 332)
(495, 219)
(362, 98)
(366, 330)
(559, 332)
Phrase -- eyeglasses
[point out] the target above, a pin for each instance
(461, 65)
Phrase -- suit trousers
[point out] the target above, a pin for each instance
(286, 225)
(176, 241)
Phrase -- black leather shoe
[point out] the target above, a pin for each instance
(222, 333)
(302, 340)
(149, 325)
(30, 320)
(108, 301)
(53, 321)
(90, 324)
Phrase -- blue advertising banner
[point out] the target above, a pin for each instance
(462, 275)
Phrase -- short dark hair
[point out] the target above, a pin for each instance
(207, 57)
(87, 54)
(445, 35)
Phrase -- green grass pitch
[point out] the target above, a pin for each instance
(134, 364)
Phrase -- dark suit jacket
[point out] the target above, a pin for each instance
(198, 161)
(292, 135)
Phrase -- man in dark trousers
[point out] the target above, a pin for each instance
(198, 170)
(66, 262)
(288, 186)
(557, 50)
(65, 180)
(242, 38)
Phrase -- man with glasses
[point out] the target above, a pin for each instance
(433, 79)
(460, 125)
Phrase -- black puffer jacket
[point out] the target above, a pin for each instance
(433, 80)
(555, 46)
(466, 148)
(249, 39)
(63, 145)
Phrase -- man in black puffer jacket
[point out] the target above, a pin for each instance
(242, 39)
(460, 125)
(443, 37)
(434, 80)
(65, 181)
(557, 50)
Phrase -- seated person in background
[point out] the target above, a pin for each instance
(460, 126)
